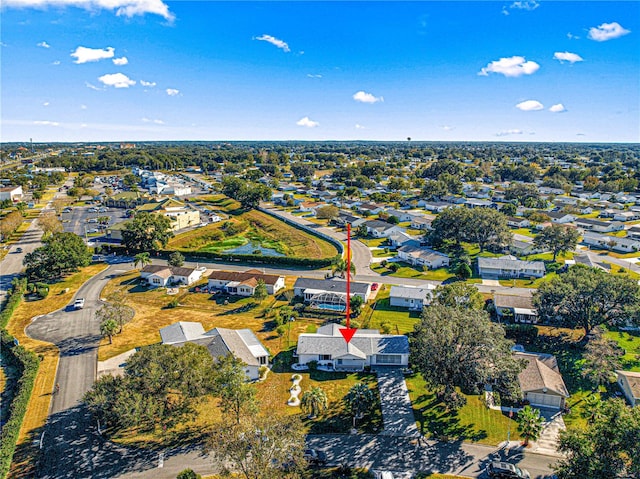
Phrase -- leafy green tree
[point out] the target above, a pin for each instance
(524, 194)
(361, 231)
(609, 448)
(62, 253)
(147, 232)
(530, 424)
(592, 408)
(450, 226)
(509, 209)
(602, 358)
(359, 400)
(260, 291)
(340, 266)
(327, 212)
(463, 271)
(108, 328)
(49, 223)
(115, 309)
(176, 259)
(458, 295)
(586, 297)
(142, 259)
(259, 447)
(188, 474)
(314, 401)
(487, 227)
(355, 305)
(237, 396)
(558, 238)
(481, 353)
(248, 194)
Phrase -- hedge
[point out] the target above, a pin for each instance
(248, 258)
(27, 363)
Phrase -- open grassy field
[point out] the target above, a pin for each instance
(630, 342)
(401, 320)
(473, 422)
(256, 227)
(39, 405)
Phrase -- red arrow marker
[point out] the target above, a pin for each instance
(348, 332)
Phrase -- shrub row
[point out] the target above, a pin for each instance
(27, 363)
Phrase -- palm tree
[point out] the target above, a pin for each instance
(359, 400)
(340, 267)
(108, 328)
(530, 424)
(142, 259)
(314, 401)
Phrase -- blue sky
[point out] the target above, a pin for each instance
(115, 70)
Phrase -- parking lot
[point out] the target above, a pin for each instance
(81, 221)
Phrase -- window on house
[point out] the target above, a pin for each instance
(388, 359)
(325, 357)
(262, 360)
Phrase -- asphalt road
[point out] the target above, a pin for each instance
(77, 220)
(11, 264)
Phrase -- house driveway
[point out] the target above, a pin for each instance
(397, 413)
(547, 443)
(490, 282)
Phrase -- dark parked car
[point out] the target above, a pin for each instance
(18, 250)
(505, 470)
(313, 456)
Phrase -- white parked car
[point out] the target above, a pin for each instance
(79, 303)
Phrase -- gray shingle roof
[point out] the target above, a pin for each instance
(506, 262)
(181, 331)
(369, 342)
(331, 285)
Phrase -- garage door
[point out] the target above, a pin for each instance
(548, 400)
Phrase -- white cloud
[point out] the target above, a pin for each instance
(364, 97)
(83, 107)
(510, 67)
(359, 127)
(157, 122)
(46, 123)
(147, 83)
(117, 80)
(57, 62)
(84, 54)
(530, 105)
(607, 31)
(524, 5)
(127, 8)
(447, 128)
(571, 36)
(307, 122)
(274, 41)
(46, 103)
(120, 61)
(311, 75)
(567, 57)
(172, 91)
(93, 87)
(43, 45)
(557, 108)
(509, 132)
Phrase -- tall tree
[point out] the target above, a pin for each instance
(260, 291)
(327, 212)
(587, 297)
(481, 352)
(49, 223)
(458, 295)
(558, 238)
(176, 259)
(314, 401)
(259, 447)
(487, 227)
(147, 232)
(609, 448)
(530, 424)
(602, 357)
(340, 267)
(142, 259)
(108, 328)
(237, 396)
(62, 253)
(359, 400)
(115, 309)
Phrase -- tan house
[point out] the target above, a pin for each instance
(244, 283)
(541, 382)
(161, 276)
(181, 215)
(629, 382)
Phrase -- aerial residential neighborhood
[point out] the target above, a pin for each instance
(319, 240)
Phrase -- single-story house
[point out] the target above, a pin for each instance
(242, 343)
(411, 297)
(400, 238)
(477, 203)
(515, 222)
(402, 216)
(345, 218)
(629, 382)
(421, 223)
(310, 206)
(520, 308)
(524, 248)
(588, 224)
(559, 217)
(510, 267)
(541, 382)
(161, 276)
(622, 245)
(380, 229)
(634, 232)
(329, 293)
(436, 206)
(626, 216)
(367, 348)
(420, 256)
(11, 193)
(244, 283)
(370, 208)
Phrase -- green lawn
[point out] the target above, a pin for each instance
(373, 242)
(401, 320)
(630, 342)
(473, 422)
(524, 232)
(407, 271)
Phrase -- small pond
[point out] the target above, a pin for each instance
(251, 248)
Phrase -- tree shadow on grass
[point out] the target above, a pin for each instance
(442, 423)
(240, 309)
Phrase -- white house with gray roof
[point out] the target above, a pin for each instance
(242, 343)
(510, 267)
(412, 297)
(420, 256)
(367, 348)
